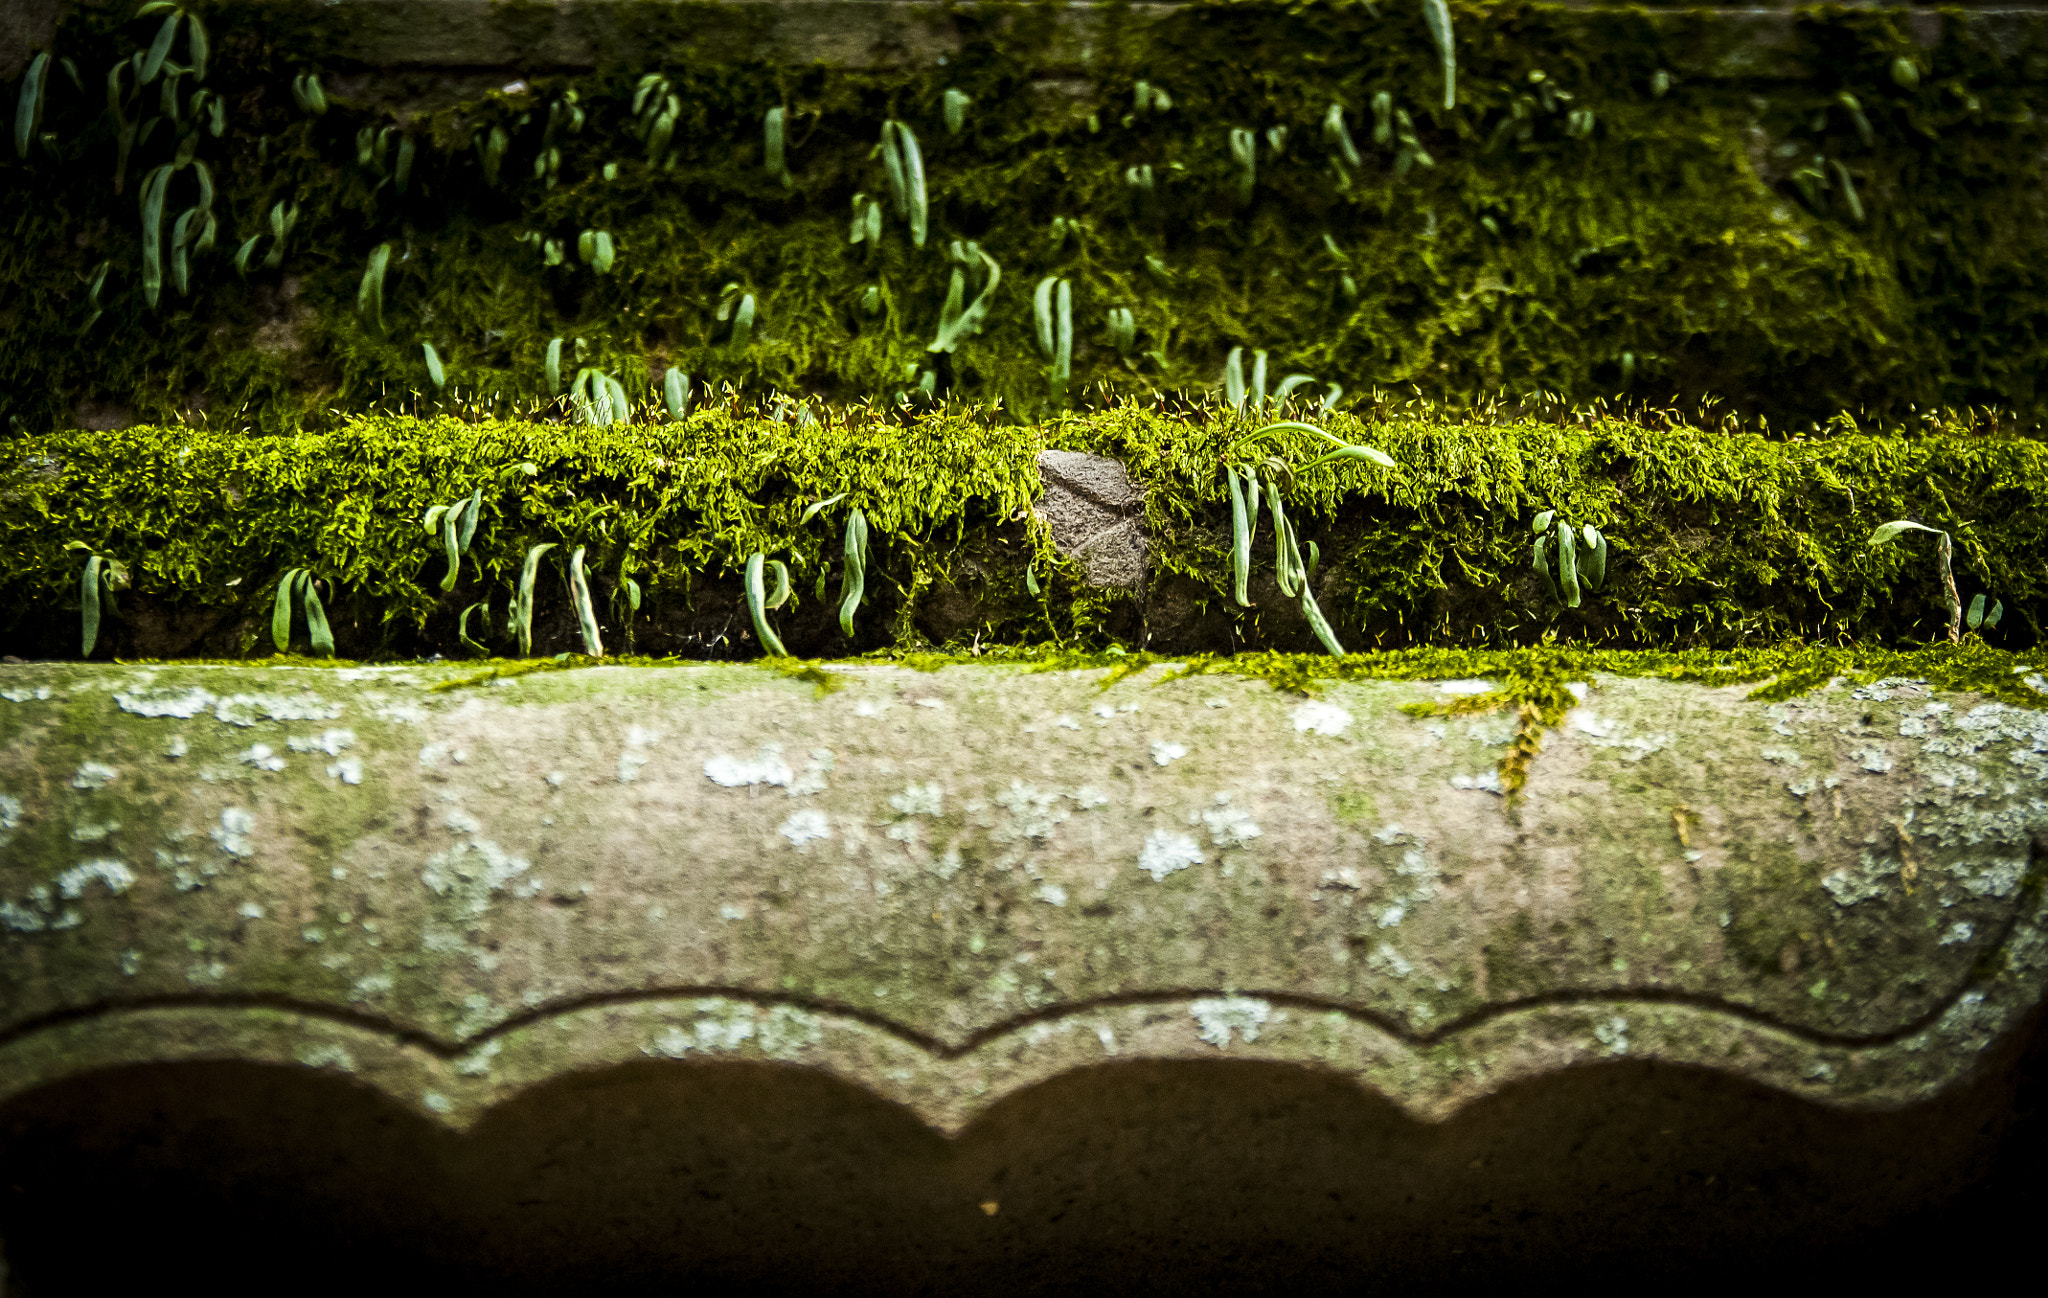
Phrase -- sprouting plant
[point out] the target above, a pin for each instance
(1148, 98)
(599, 398)
(759, 600)
(956, 323)
(522, 603)
(1905, 74)
(1123, 329)
(1235, 391)
(1244, 151)
(1338, 137)
(1052, 312)
(1246, 487)
(490, 151)
(1977, 617)
(657, 108)
(586, 611)
(554, 367)
(308, 95)
(435, 373)
(1945, 556)
(1410, 153)
(28, 111)
(675, 394)
(1437, 15)
(370, 293)
(282, 218)
(772, 147)
(956, 103)
(596, 250)
(462, 628)
(854, 574)
(867, 222)
(1580, 554)
(92, 295)
(96, 586)
(455, 524)
(298, 586)
(736, 305)
(904, 166)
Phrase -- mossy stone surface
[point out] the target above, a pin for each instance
(943, 887)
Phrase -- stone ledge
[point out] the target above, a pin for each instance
(946, 888)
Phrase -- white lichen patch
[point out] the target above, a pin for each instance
(1385, 959)
(919, 800)
(10, 815)
(262, 757)
(731, 772)
(39, 694)
(1216, 1017)
(235, 833)
(94, 775)
(1317, 717)
(724, 1026)
(1874, 760)
(1051, 893)
(805, 826)
(1166, 852)
(1034, 813)
(327, 1055)
(1870, 878)
(813, 778)
(1781, 755)
(349, 770)
(635, 757)
(1996, 876)
(1229, 825)
(1612, 1034)
(435, 1102)
(117, 877)
(249, 709)
(1088, 797)
(1607, 732)
(182, 704)
(472, 870)
(1165, 753)
(1958, 933)
(94, 831)
(1484, 782)
(1467, 687)
(477, 1063)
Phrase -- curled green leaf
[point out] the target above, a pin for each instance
(955, 110)
(819, 507)
(462, 629)
(522, 607)
(317, 630)
(281, 609)
(1568, 566)
(675, 393)
(89, 606)
(370, 293)
(586, 612)
(757, 605)
(28, 111)
(854, 576)
(1898, 527)
(1240, 539)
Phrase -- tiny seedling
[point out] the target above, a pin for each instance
(522, 603)
(307, 94)
(956, 103)
(596, 249)
(435, 372)
(455, 524)
(462, 629)
(1265, 477)
(554, 367)
(1945, 555)
(675, 394)
(956, 324)
(1580, 555)
(760, 599)
(1338, 137)
(298, 586)
(1244, 151)
(1437, 15)
(1123, 329)
(1978, 617)
(370, 293)
(904, 166)
(772, 147)
(737, 306)
(586, 611)
(96, 586)
(28, 112)
(1052, 314)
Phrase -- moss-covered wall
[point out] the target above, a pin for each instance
(1621, 203)
(1719, 538)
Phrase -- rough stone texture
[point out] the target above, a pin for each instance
(1096, 514)
(945, 888)
(693, 971)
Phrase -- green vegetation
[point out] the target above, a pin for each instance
(1720, 538)
(1527, 199)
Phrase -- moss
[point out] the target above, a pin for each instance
(1670, 248)
(1722, 541)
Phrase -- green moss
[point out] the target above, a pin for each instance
(1671, 248)
(1722, 542)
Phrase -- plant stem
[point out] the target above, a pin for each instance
(1948, 582)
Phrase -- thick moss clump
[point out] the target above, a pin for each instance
(1720, 539)
(1611, 207)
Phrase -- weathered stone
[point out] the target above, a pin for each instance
(695, 968)
(945, 888)
(1096, 514)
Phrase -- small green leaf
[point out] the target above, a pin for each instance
(675, 393)
(281, 610)
(586, 612)
(632, 589)
(1898, 527)
(854, 576)
(554, 367)
(317, 629)
(955, 110)
(1240, 537)
(1568, 565)
(370, 293)
(757, 600)
(435, 373)
(522, 608)
(1997, 612)
(472, 511)
(28, 110)
(814, 510)
(1542, 523)
(89, 606)
(1975, 617)
(159, 49)
(1031, 580)
(1593, 568)
(449, 543)
(1539, 559)
(780, 594)
(1318, 623)
(462, 629)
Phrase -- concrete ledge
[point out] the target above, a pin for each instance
(946, 888)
